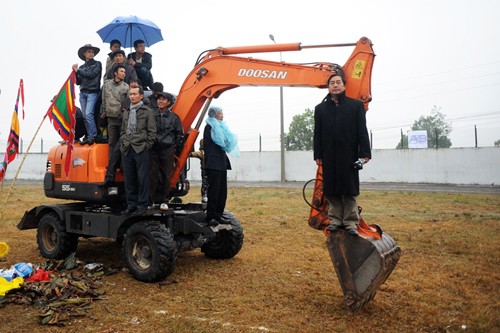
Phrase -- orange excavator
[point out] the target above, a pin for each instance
(150, 243)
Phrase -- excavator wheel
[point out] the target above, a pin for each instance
(228, 242)
(362, 264)
(150, 251)
(53, 240)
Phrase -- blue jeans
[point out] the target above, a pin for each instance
(87, 103)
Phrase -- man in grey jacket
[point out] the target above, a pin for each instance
(114, 96)
(138, 134)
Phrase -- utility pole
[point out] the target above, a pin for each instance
(282, 125)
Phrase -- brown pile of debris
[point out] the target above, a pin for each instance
(67, 290)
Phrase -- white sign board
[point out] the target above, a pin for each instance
(417, 139)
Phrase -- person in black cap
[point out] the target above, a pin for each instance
(88, 77)
(130, 74)
(169, 140)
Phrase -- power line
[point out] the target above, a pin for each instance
(461, 69)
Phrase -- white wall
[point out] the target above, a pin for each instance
(473, 166)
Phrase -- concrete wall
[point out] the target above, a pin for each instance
(475, 166)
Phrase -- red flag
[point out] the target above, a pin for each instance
(62, 113)
(15, 131)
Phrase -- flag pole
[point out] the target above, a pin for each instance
(19, 168)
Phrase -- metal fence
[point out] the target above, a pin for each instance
(379, 139)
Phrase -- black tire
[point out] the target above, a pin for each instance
(53, 240)
(227, 243)
(150, 251)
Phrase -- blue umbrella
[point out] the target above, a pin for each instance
(128, 29)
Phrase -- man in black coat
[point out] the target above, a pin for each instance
(341, 147)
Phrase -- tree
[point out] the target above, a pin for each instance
(436, 127)
(300, 132)
(497, 143)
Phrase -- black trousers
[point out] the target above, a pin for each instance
(204, 183)
(115, 159)
(114, 127)
(136, 172)
(217, 193)
(162, 163)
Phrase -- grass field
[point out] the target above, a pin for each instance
(447, 280)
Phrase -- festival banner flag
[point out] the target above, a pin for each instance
(15, 131)
(62, 112)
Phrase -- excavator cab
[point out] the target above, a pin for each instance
(362, 263)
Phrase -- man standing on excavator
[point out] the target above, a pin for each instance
(341, 147)
(138, 134)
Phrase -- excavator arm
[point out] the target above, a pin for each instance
(362, 264)
(220, 70)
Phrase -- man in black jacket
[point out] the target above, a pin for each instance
(88, 77)
(341, 147)
(169, 140)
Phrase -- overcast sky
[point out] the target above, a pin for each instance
(440, 52)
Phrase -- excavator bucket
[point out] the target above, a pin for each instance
(362, 263)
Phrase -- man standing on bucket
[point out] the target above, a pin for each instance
(88, 77)
(341, 147)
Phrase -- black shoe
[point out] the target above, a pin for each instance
(127, 211)
(353, 232)
(139, 212)
(332, 227)
(213, 223)
(91, 142)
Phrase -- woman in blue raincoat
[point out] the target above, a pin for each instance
(218, 140)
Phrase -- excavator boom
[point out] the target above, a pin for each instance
(219, 70)
(361, 264)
